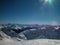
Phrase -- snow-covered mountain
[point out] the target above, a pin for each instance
(16, 34)
(30, 31)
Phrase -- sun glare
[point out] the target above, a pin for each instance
(48, 1)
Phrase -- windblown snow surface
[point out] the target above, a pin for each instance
(6, 41)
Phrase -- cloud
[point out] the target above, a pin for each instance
(54, 23)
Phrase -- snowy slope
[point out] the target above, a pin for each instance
(30, 42)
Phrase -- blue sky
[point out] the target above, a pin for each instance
(29, 11)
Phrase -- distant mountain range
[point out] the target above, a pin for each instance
(29, 31)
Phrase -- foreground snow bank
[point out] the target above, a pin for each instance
(29, 42)
(43, 42)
